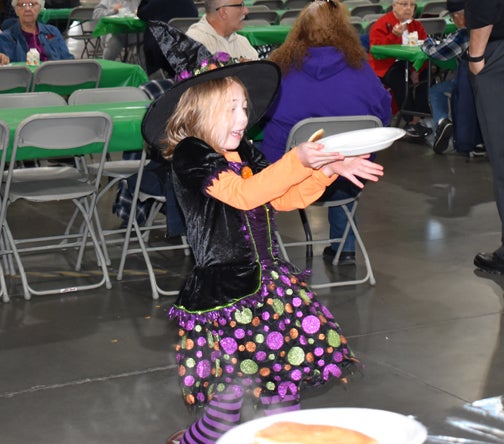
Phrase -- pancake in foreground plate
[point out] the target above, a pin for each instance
(297, 433)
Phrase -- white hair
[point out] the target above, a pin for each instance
(40, 2)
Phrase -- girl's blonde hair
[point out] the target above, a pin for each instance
(320, 23)
(200, 111)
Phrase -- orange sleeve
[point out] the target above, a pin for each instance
(286, 184)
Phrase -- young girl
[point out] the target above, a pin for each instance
(248, 321)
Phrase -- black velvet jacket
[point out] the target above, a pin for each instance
(228, 244)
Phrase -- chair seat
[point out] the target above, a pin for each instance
(117, 168)
(35, 191)
(41, 173)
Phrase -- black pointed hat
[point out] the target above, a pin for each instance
(195, 65)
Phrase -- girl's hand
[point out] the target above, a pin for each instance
(353, 167)
(310, 155)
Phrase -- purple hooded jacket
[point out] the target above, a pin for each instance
(326, 86)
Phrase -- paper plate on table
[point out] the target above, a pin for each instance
(364, 141)
(384, 426)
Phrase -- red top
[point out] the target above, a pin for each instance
(381, 34)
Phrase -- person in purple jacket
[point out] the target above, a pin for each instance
(324, 73)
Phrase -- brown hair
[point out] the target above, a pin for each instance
(200, 111)
(320, 23)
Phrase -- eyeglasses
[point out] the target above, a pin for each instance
(28, 5)
(406, 4)
(235, 5)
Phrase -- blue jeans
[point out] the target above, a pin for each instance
(340, 189)
(439, 100)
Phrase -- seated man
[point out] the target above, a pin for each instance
(164, 11)
(27, 33)
(463, 109)
(389, 29)
(217, 29)
(114, 43)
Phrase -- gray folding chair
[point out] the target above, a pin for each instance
(133, 228)
(270, 4)
(434, 9)
(31, 100)
(64, 76)
(363, 10)
(295, 4)
(46, 135)
(270, 16)
(4, 143)
(183, 23)
(300, 133)
(80, 27)
(114, 170)
(15, 78)
(434, 26)
(106, 95)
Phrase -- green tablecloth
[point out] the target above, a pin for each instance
(126, 134)
(47, 15)
(265, 35)
(119, 25)
(113, 74)
(412, 54)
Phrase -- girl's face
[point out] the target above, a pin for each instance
(235, 119)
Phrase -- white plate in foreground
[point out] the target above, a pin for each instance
(358, 142)
(386, 427)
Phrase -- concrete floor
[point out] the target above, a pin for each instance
(98, 366)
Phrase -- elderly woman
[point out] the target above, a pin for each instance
(27, 33)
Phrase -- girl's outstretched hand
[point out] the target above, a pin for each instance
(311, 155)
(353, 167)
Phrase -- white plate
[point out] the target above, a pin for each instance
(355, 143)
(386, 427)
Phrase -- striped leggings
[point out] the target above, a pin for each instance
(223, 413)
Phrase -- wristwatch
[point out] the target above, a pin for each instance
(474, 59)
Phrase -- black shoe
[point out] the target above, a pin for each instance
(416, 131)
(489, 262)
(346, 257)
(443, 134)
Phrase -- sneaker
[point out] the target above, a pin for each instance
(176, 437)
(417, 131)
(444, 132)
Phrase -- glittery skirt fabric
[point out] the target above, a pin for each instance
(277, 344)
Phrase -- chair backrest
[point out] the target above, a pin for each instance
(352, 3)
(269, 16)
(302, 130)
(104, 95)
(183, 23)
(258, 8)
(290, 13)
(31, 100)
(60, 74)
(433, 26)
(15, 78)
(256, 22)
(434, 9)
(295, 4)
(271, 4)
(371, 17)
(80, 22)
(362, 10)
(287, 20)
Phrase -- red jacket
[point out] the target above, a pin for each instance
(381, 34)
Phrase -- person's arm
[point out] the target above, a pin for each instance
(266, 186)
(452, 46)
(106, 8)
(478, 39)
(382, 33)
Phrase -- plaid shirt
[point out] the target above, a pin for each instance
(452, 46)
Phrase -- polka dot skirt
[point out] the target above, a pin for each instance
(275, 347)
